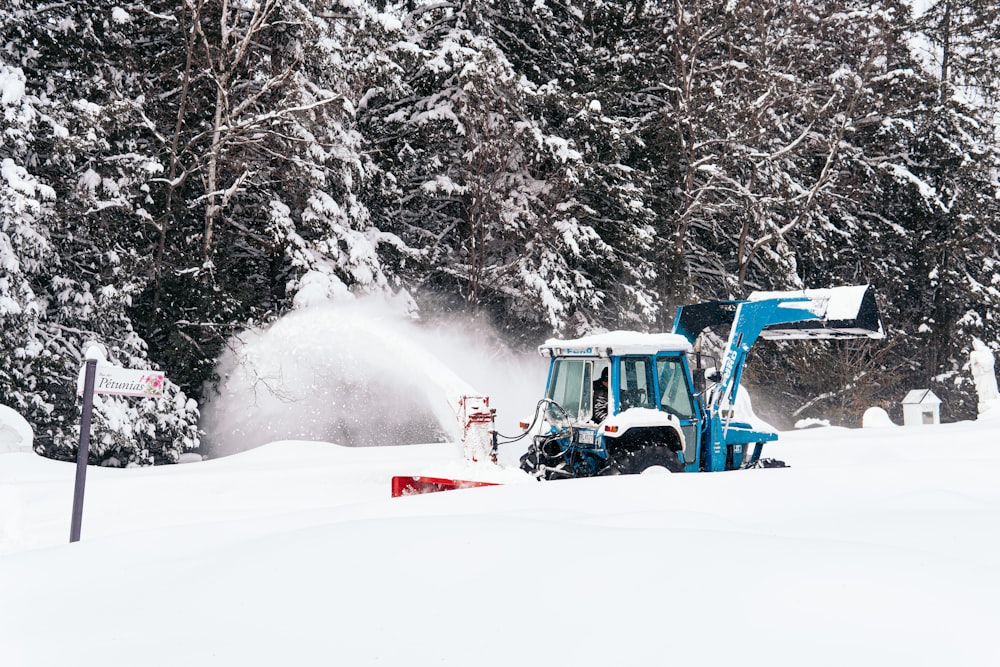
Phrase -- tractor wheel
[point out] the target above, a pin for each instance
(639, 461)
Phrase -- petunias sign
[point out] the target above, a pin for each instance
(128, 382)
(99, 377)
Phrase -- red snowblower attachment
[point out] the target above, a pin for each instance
(478, 442)
(404, 485)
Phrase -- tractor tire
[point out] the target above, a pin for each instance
(639, 461)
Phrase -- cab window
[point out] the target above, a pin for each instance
(635, 382)
(675, 397)
(570, 387)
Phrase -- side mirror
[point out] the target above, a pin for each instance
(698, 376)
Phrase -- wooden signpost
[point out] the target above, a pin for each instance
(100, 377)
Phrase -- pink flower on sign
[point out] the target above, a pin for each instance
(154, 384)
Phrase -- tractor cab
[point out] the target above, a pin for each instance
(652, 418)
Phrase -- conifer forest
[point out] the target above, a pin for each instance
(173, 172)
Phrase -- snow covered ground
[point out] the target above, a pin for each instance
(876, 547)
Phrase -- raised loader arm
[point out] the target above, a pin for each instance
(749, 321)
(839, 312)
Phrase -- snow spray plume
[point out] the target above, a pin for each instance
(361, 373)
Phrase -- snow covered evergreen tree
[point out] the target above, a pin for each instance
(25, 250)
(265, 201)
(758, 109)
(175, 172)
(506, 197)
(955, 195)
(88, 141)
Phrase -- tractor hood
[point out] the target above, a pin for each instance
(617, 425)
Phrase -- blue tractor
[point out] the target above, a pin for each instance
(665, 406)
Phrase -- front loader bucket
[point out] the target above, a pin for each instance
(841, 312)
(411, 486)
(837, 312)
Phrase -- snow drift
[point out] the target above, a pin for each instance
(873, 548)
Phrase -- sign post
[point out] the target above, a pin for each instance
(103, 378)
(83, 451)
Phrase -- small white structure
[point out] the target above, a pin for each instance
(921, 406)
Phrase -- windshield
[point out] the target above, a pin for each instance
(570, 387)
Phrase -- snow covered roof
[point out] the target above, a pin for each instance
(917, 396)
(615, 343)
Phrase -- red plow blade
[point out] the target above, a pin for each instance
(403, 485)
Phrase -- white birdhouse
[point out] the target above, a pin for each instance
(921, 406)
